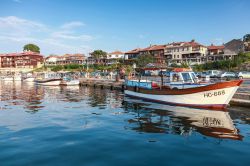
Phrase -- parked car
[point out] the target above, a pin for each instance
(201, 74)
(214, 73)
(228, 75)
(96, 74)
(244, 74)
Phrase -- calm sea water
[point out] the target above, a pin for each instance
(85, 126)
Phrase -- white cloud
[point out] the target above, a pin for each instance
(73, 24)
(71, 36)
(13, 23)
(16, 32)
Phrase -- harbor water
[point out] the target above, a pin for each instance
(57, 126)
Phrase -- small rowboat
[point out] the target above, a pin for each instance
(190, 93)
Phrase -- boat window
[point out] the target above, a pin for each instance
(175, 77)
(186, 77)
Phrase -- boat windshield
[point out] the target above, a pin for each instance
(193, 76)
(186, 77)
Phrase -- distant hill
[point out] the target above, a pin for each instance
(235, 45)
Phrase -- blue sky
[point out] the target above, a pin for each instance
(74, 26)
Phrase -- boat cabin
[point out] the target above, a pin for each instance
(177, 79)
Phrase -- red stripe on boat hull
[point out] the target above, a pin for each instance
(206, 106)
(169, 91)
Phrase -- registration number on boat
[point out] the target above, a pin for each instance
(216, 93)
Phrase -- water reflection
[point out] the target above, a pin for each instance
(35, 97)
(157, 118)
(63, 102)
(21, 94)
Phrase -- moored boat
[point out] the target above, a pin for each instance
(186, 92)
(6, 78)
(29, 79)
(70, 82)
(49, 81)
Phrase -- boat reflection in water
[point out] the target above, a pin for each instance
(158, 118)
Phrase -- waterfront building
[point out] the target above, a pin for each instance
(51, 60)
(215, 53)
(185, 52)
(157, 51)
(131, 56)
(227, 51)
(65, 59)
(26, 59)
(71, 59)
(114, 57)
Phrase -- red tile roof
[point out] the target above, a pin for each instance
(21, 54)
(191, 43)
(154, 48)
(137, 50)
(116, 52)
(212, 47)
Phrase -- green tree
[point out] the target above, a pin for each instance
(246, 38)
(175, 65)
(31, 47)
(185, 64)
(97, 54)
(143, 60)
(57, 68)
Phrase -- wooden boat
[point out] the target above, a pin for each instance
(49, 81)
(209, 95)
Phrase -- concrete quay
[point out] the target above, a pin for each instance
(241, 97)
(102, 83)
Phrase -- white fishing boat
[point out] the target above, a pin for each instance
(186, 92)
(29, 79)
(49, 81)
(70, 82)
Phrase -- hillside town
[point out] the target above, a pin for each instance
(190, 53)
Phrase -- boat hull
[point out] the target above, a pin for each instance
(7, 79)
(70, 83)
(217, 98)
(49, 82)
(29, 79)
